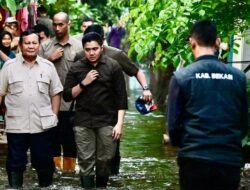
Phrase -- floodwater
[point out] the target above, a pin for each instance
(146, 162)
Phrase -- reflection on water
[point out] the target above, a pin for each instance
(146, 163)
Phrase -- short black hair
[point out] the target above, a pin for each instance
(26, 33)
(42, 28)
(41, 10)
(92, 36)
(205, 32)
(87, 19)
(95, 28)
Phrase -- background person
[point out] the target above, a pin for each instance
(62, 51)
(207, 116)
(5, 54)
(131, 70)
(98, 85)
(5, 47)
(32, 90)
(44, 19)
(125, 62)
(11, 25)
(115, 35)
(86, 21)
(43, 32)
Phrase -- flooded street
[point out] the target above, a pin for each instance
(146, 162)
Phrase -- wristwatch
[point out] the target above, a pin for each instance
(82, 86)
(145, 87)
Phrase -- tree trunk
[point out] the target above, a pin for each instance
(159, 84)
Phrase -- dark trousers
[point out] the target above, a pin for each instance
(40, 145)
(115, 162)
(64, 141)
(200, 175)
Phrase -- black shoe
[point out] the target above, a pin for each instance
(45, 179)
(102, 181)
(15, 179)
(115, 165)
(88, 182)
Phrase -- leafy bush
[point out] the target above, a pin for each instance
(246, 140)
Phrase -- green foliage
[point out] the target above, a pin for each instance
(248, 41)
(246, 140)
(75, 11)
(95, 9)
(13, 5)
(162, 27)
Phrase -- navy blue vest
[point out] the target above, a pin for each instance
(213, 94)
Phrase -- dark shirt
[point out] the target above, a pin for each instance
(99, 102)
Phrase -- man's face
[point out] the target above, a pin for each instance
(11, 27)
(92, 51)
(30, 46)
(42, 36)
(85, 25)
(60, 26)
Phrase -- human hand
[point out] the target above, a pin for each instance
(90, 77)
(146, 95)
(57, 53)
(117, 132)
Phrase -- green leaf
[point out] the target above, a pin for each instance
(202, 12)
(21, 5)
(176, 19)
(176, 60)
(170, 38)
(139, 56)
(151, 5)
(11, 5)
(236, 44)
(138, 48)
(248, 41)
(51, 2)
(235, 51)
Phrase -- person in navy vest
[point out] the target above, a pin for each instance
(207, 116)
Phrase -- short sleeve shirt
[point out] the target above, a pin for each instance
(28, 90)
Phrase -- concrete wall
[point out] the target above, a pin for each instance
(243, 53)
